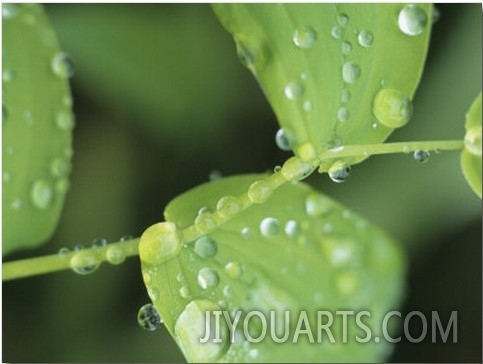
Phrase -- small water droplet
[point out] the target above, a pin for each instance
(126, 238)
(184, 292)
(392, 108)
(84, 262)
(8, 74)
(10, 10)
(339, 173)
(343, 114)
(292, 228)
(233, 269)
(215, 175)
(148, 317)
(412, 20)
(342, 19)
(62, 185)
(59, 167)
(345, 95)
(259, 191)
(228, 206)
(205, 247)
(228, 291)
(63, 65)
(16, 204)
(282, 139)
(205, 222)
(346, 48)
(42, 194)
(63, 252)
(269, 227)
(6, 177)
(207, 278)
(421, 156)
(473, 140)
(337, 32)
(277, 169)
(293, 90)
(365, 38)
(307, 106)
(115, 255)
(350, 72)
(304, 37)
(64, 120)
(160, 242)
(202, 210)
(98, 243)
(245, 55)
(246, 232)
(317, 205)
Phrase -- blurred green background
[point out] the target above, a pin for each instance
(161, 101)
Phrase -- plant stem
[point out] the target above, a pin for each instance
(57, 262)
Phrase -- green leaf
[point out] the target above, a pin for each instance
(335, 74)
(37, 123)
(298, 251)
(471, 155)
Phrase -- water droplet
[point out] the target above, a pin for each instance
(63, 65)
(246, 56)
(64, 120)
(42, 194)
(63, 252)
(259, 191)
(84, 262)
(365, 38)
(343, 114)
(79, 247)
(62, 185)
(148, 317)
(307, 106)
(304, 37)
(269, 227)
(233, 269)
(421, 156)
(184, 292)
(346, 48)
(153, 293)
(294, 90)
(191, 326)
(115, 255)
(205, 222)
(8, 74)
(282, 139)
(215, 175)
(6, 177)
(202, 210)
(59, 167)
(98, 243)
(307, 152)
(207, 278)
(227, 291)
(342, 19)
(228, 206)
(292, 228)
(340, 252)
(126, 238)
(473, 140)
(159, 243)
(345, 95)
(295, 169)
(317, 205)
(392, 108)
(16, 204)
(10, 10)
(205, 247)
(277, 169)
(412, 20)
(337, 32)
(350, 72)
(246, 232)
(338, 173)
(67, 101)
(346, 283)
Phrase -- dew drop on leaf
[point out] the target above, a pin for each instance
(473, 140)
(208, 278)
(412, 20)
(294, 90)
(84, 262)
(62, 65)
(205, 247)
(317, 205)
(365, 38)
(342, 19)
(292, 229)
(392, 108)
(228, 206)
(64, 120)
(148, 317)
(204, 222)
(115, 255)
(337, 32)
(350, 72)
(346, 48)
(233, 269)
(259, 191)
(42, 194)
(160, 242)
(304, 37)
(421, 156)
(343, 114)
(269, 227)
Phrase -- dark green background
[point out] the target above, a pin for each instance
(161, 101)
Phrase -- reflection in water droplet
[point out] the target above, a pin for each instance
(148, 317)
(282, 140)
(228, 206)
(421, 156)
(205, 247)
(184, 292)
(269, 227)
(473, 140)
(350, 72)
(63, 65)
(339, 174)
(98, 243)
(365, 38)
(42, 194)
(412, 20)
(392, 108)
(84, 262)
(207, 278)
(259, 191)
(115, 255)
(293, 90)
(246, 56)
(304, 37)
(63, 252)
(246, 232)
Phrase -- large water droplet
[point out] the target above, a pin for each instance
(205, 247)
(228, 206)
(148, 317)
(293, 90)
(259, 191)
(84, 262)
(339, 173)
(42, 194)
(10, 10)
(115, 255)
(392, 108)
(412, 20)
(159, 243)
(269, 227)
(421, 156)
(63, 65)
(295, 169)
(282, 139)
(205, 223)
(304, 37)
(64, 120)
(365, 38)
(350, 72)
(191, 326)
(473, 140)
(207, 278)
(317, 205)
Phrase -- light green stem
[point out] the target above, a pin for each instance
(56, 262)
